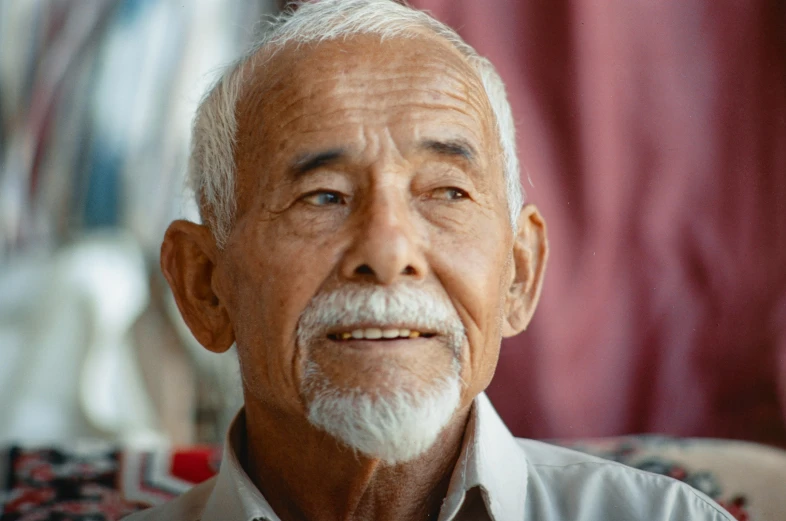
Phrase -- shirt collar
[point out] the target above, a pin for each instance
(490, 459)
(234, 495)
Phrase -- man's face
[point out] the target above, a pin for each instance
(363, 164)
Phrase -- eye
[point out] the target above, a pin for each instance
(323, 198)
(449, 193)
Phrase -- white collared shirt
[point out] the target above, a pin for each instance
(497, 478)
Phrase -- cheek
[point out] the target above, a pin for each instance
(472, 270)
(279, 277)
(283, 271)
(478, 265)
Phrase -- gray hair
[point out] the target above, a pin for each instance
(211, 168)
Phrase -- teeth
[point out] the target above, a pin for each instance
(374, 333)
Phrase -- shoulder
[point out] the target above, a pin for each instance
(566, 484)
(186, 507)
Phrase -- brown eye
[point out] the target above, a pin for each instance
(449, 193)
(323, 198)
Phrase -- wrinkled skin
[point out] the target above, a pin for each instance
(366, 162)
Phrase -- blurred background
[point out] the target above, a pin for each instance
(652, 137)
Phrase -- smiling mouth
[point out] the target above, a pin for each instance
(373, 333)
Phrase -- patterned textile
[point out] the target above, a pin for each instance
(59, 484)
(97, 482)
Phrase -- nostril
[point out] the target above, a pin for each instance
(409, 270)
(364, 269)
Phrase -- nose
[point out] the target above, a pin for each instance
(386, 246)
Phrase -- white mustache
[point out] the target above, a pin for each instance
(349, 306)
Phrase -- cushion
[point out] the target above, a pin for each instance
(97, 481)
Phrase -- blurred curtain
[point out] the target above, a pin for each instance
(96, 103)
(652, 137)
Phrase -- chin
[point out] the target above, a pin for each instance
(395, 424)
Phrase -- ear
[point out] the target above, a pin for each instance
(188, 260)
(530, 252)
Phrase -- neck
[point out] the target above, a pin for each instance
(305, 474)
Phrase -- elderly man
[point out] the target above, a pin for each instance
(366, 248)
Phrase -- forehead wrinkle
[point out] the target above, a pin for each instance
(339, 91)
(346, 103)
(336, 72)
(294, 59)
(360, 114)
(294, 82)
(355, 109)
(355, 146)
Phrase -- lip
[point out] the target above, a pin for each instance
(387, 344)
(334, 334)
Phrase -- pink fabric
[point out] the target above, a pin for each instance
(655, 136)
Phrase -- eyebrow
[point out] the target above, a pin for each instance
(309, 162)
(451, 148)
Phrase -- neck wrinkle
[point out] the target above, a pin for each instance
(306, 474)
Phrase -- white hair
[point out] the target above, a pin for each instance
(211, 169)
(396, 420)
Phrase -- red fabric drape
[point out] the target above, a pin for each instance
(655, 136)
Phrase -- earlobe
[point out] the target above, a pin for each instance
(530, 253)
(188, 261)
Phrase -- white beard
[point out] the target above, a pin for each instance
(394, 424)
